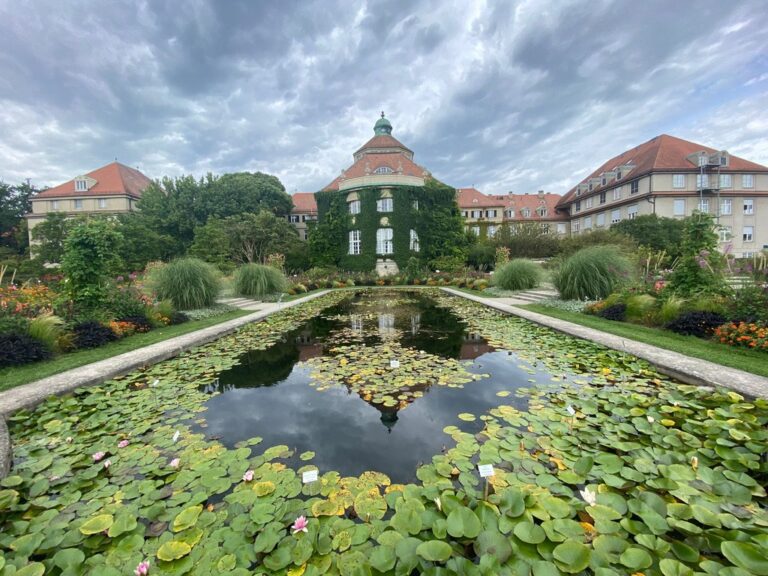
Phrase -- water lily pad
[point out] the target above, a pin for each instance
(186, 518)
(434, 551)
(467, 417)
(97, 524)
(173, 550)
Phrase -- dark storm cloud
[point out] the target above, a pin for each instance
(506, 96)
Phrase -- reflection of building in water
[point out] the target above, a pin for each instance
(473, 345)
(387, 325)
(389, 418)
(308, 346)
(415, 324)
(356, 322)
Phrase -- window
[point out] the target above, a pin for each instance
(354, 207)
(414, 241)
(618, 174)
(702, 159)
(509, 213)
(588, 202)
(78, 204)
(81, 185)
(679, 207)
(747, 233)
(490, 213)
(749, 206)
(561, 228)
(464, 213)
(54, 205)
(590, 186)
(305, 234)
(526, 212)
(632, 211)
(384, 240)
(678, 181)
(726, 206)
(578, 205)
(415, 204)
(575, 226)
(603, 181)
(726, 181)
(477, 213)
(634, 187)
(541, 211)
(476, 231)
(587, 222)
(703, 205)
(383, 170)
(615, 216)
(702, 180)
(491, 231)
(747, 181)
(295, 218)
(600, 220)
(355, 245)
(617, 193)
(384, 205)
(724, 232)
(602, 197)
(102, 202)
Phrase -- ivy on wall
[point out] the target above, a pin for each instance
(437, 223)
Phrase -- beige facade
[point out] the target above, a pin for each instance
(76, 206)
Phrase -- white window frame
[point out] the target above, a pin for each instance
(588, 202)
(509, 213)
(678, 180)
(726, 206)
(632, 211)
(748, 234)
(415, 204)
(384, 205)
(78, 203)
(561, 228)
(725, 234)
(702, 181)
(747, 180)
(634, 187)
(102, 203)
(617, 193)
(294, 218)
(525, 213)
(491, 231)
(541, 211)
(600, 220)
(354, 207)
(384, 242)
(576, 227)
(476, 231)
(676, 210)
(414, 241)
(726, 181)
(54, 205)
(355, 243)
(383, 170)
(81, 185)
(490, 213)
(587, 222)
(749, 206)
(703, 205)
(616, 216)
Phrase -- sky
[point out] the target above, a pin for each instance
(504, 96)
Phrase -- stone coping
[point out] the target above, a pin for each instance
(32, 394)
(679, 366)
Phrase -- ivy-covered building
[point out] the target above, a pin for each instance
(385, 209)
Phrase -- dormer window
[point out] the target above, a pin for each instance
(525, 213)
(383, 170)
(81, 185)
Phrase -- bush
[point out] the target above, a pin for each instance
(178, 318)
(140, 323)
(701, 324)
(671, 309)
(640, 308)
(14, 324)
(91, 334)
(188, 283)
(743, 334)
(592, 273)
(749, 304)
(17, 349)
(47, 329)
(616, 312)
(517, 274)
(124, 301)
(256, 281)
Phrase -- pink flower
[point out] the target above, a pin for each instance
(300, 525)
(122, 443)
(175, 463)
(98, 456)
(142, 569)
(248, 476)
(107, 464)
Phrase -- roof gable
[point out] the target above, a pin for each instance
(111, 180)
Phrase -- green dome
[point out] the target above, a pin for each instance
(382, 126)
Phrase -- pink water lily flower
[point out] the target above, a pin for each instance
(142, 569)
(175, 463)
(122, 443)
(248, 476)
(300, 525)
(98, 456)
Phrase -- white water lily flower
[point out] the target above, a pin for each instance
(438, 503)
(570, 410)
(176, 436)
(651, 419)
(589, 496)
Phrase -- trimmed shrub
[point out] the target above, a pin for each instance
(91, 334)
(592, 273)
(188, 283)
(17, 349)
(616, 312)
(517, 274)
(256, 281)
(701, 324)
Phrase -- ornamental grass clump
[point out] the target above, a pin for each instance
(188, 283)
(592, 273)
(256, 280)
(517, 274)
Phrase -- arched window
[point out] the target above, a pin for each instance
(383, 170)
(384, 241)
(414, 241)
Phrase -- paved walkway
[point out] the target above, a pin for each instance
(528, 296)
(684, 368)
(246, 304)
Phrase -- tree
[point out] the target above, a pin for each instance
(212, 244)
(15, 202)
(141, 244)
(240, 192)
(654, 232)
(49, 237)
(700, 269)
(253, 237)
(527, 240)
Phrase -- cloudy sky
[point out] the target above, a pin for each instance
(517, 96)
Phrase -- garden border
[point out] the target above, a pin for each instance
(684, 368)
(32, 394)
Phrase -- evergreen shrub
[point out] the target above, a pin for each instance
(592, 273)
(256, 280)
(517, 274)
(188, 283)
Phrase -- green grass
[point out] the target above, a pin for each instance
(747, 360)
(12, 377)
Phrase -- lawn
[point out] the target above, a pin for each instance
(747, 360)
(12, 377)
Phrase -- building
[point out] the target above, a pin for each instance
(304, 211)
(383, 209)
(485, 214)
(672, 177)
(111, 189)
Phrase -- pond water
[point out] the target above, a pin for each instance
(327, 387)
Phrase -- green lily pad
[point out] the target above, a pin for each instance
(434, 551)
(97, 524)
(173, 550)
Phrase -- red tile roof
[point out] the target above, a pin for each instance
(366, 165)
(304, 202)
(518, 202)
(111, 180)
(383, 141)
(663, 153)
(469, 198)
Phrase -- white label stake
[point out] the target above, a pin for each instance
(485, 470)
(309, 476)
(394, 363)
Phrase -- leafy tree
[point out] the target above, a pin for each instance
(654, 232)
(482, 256)
(527, 240)
(15, 202)
(250, 192)
(601, 237)
(700, 269)
(141, 244)
(212, 244)
(49, 237)
(255, 236)
(90, 258)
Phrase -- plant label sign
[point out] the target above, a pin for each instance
(309, 476)
(394, 363)
(485, 470)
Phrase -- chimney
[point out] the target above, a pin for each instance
(541, 194)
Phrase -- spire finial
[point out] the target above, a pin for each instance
(382, 113)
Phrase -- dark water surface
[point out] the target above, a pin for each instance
(269, 393)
